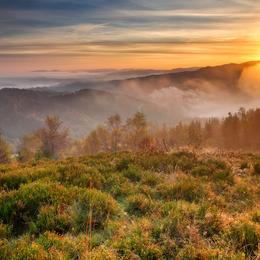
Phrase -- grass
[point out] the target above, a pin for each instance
(131, 206)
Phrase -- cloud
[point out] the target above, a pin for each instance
(84, 27)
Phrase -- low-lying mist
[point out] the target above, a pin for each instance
(164, 98)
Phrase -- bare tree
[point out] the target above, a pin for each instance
(5, 153)
(114, 124)
(53, 137)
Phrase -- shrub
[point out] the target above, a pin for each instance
(139, 204)
(150, 178)
(201, 170)
(244, 165)
(95, 207)
(211, 225)
(103, 253)
(20, 207)
(175, 225)
(5, 249)
(14, 179)
(123, 164)
(245, 238)
(256, 217)
(216, 164)
(53, 218)
(5, 154)
(118, 185)
(257, 168)
(5, 231)
(80, 175)
(138, 244)
(132, 173)
(157, 162)
(185, 189)
(223, 176)
(185, 161)
(24, 249)
(65, 247)
(241, 198)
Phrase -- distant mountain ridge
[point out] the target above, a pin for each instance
(221, 75)
(22, 111)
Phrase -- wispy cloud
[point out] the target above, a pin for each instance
(114, 27)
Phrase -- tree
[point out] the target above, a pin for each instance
(195, 133)
(114, 125)
(137, 128)
(97, 141)
(52, 137)
(5, 153)
(29, 146)
(231, 131)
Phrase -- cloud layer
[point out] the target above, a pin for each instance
(140, 33)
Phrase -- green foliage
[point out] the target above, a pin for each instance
(129, 206)
(80, 175)
(256, 217)
(53, 218)
(20, 207)
(95, 207)
(257, 168)
(201, 170)
(5, 153)
(139, 204)
(244, 165)
(223, 176)
(245, 238)
(186, 189)
(133, 173)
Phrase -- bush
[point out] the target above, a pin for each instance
(5, 231)
(132, 173)
(245, 238)
(256, 217)
(123, 164)
(175, 225)
(216, 164)
(93, 207)
(157, 162)
(201, 170)
(185, 161)
(139, 204)
(103, 253)
(241, 198)
(80, 175)
(21, 207)
(211, 225)
(138, 243)
(118, 186)
(151, 179)
(223, 176)
(185, 189)
(14, 179)
(53, 218)
(5, 154)
(244, 165)
(61, 247)
(24, 249)
(257, 168)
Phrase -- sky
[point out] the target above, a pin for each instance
(95, 34)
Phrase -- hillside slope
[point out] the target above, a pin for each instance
(132, 206)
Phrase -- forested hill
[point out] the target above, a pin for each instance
(22, 111)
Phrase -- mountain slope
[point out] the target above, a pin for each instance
(166, 98)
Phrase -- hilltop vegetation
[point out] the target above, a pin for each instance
(132, 206)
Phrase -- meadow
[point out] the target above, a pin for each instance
(178, 205)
